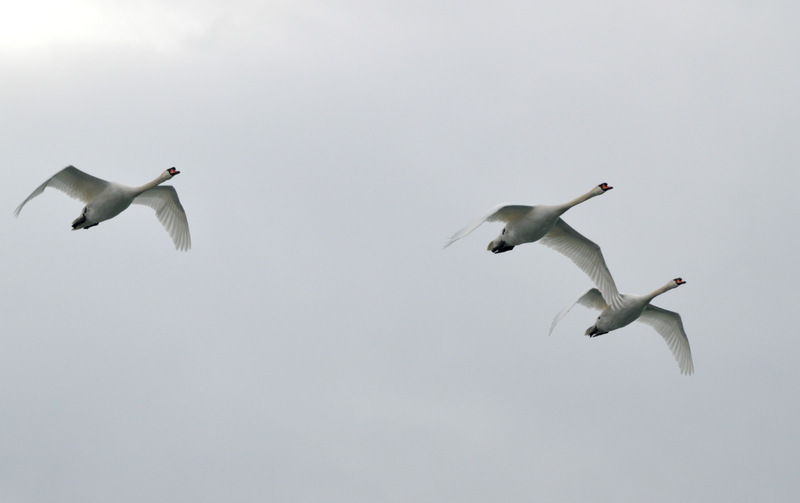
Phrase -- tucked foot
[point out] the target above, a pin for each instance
(502, 247)
(594, 332)
(78, 221)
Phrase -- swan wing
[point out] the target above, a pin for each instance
(592, 299)
(586, 255)
(71, 181)
(669, 325)
(169, 211)
(502, 212)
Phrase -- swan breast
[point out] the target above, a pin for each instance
(109, 203)
(612, 319)
(532, 226)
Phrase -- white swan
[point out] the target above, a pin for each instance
(637, 307)
(105, 200)
(526, 224)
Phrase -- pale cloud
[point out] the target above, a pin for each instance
(167, 27)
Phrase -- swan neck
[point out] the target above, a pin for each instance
(161, 179)
(578, 200)
(656, 293)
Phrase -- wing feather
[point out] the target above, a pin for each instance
(502, 212)
(592, 299)
(169, 211)
(71, 181)
(668, 324)
(586, 255)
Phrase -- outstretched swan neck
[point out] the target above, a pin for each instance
(675, 283)
(596, 191)
(163, 177)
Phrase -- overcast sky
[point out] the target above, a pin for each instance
(316, 343)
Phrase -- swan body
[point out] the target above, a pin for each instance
(632, 308)
(105, 200)
(527, 224)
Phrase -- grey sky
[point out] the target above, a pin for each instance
(317, 344)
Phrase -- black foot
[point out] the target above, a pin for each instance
(80, 219)
(502, 247)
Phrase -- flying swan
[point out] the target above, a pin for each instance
(527, 224)
(105, 200)
(638, 308)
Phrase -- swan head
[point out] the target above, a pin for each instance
(604, 187)
(172, 172)
(678, 282)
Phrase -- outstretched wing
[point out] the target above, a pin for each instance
(502, 212)
(591, 299)
(669, 325)
(71, 181)
(586, 255)
(170, 212)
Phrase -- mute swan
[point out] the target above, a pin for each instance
(105, 200)
(526, 224)
(637, 307)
